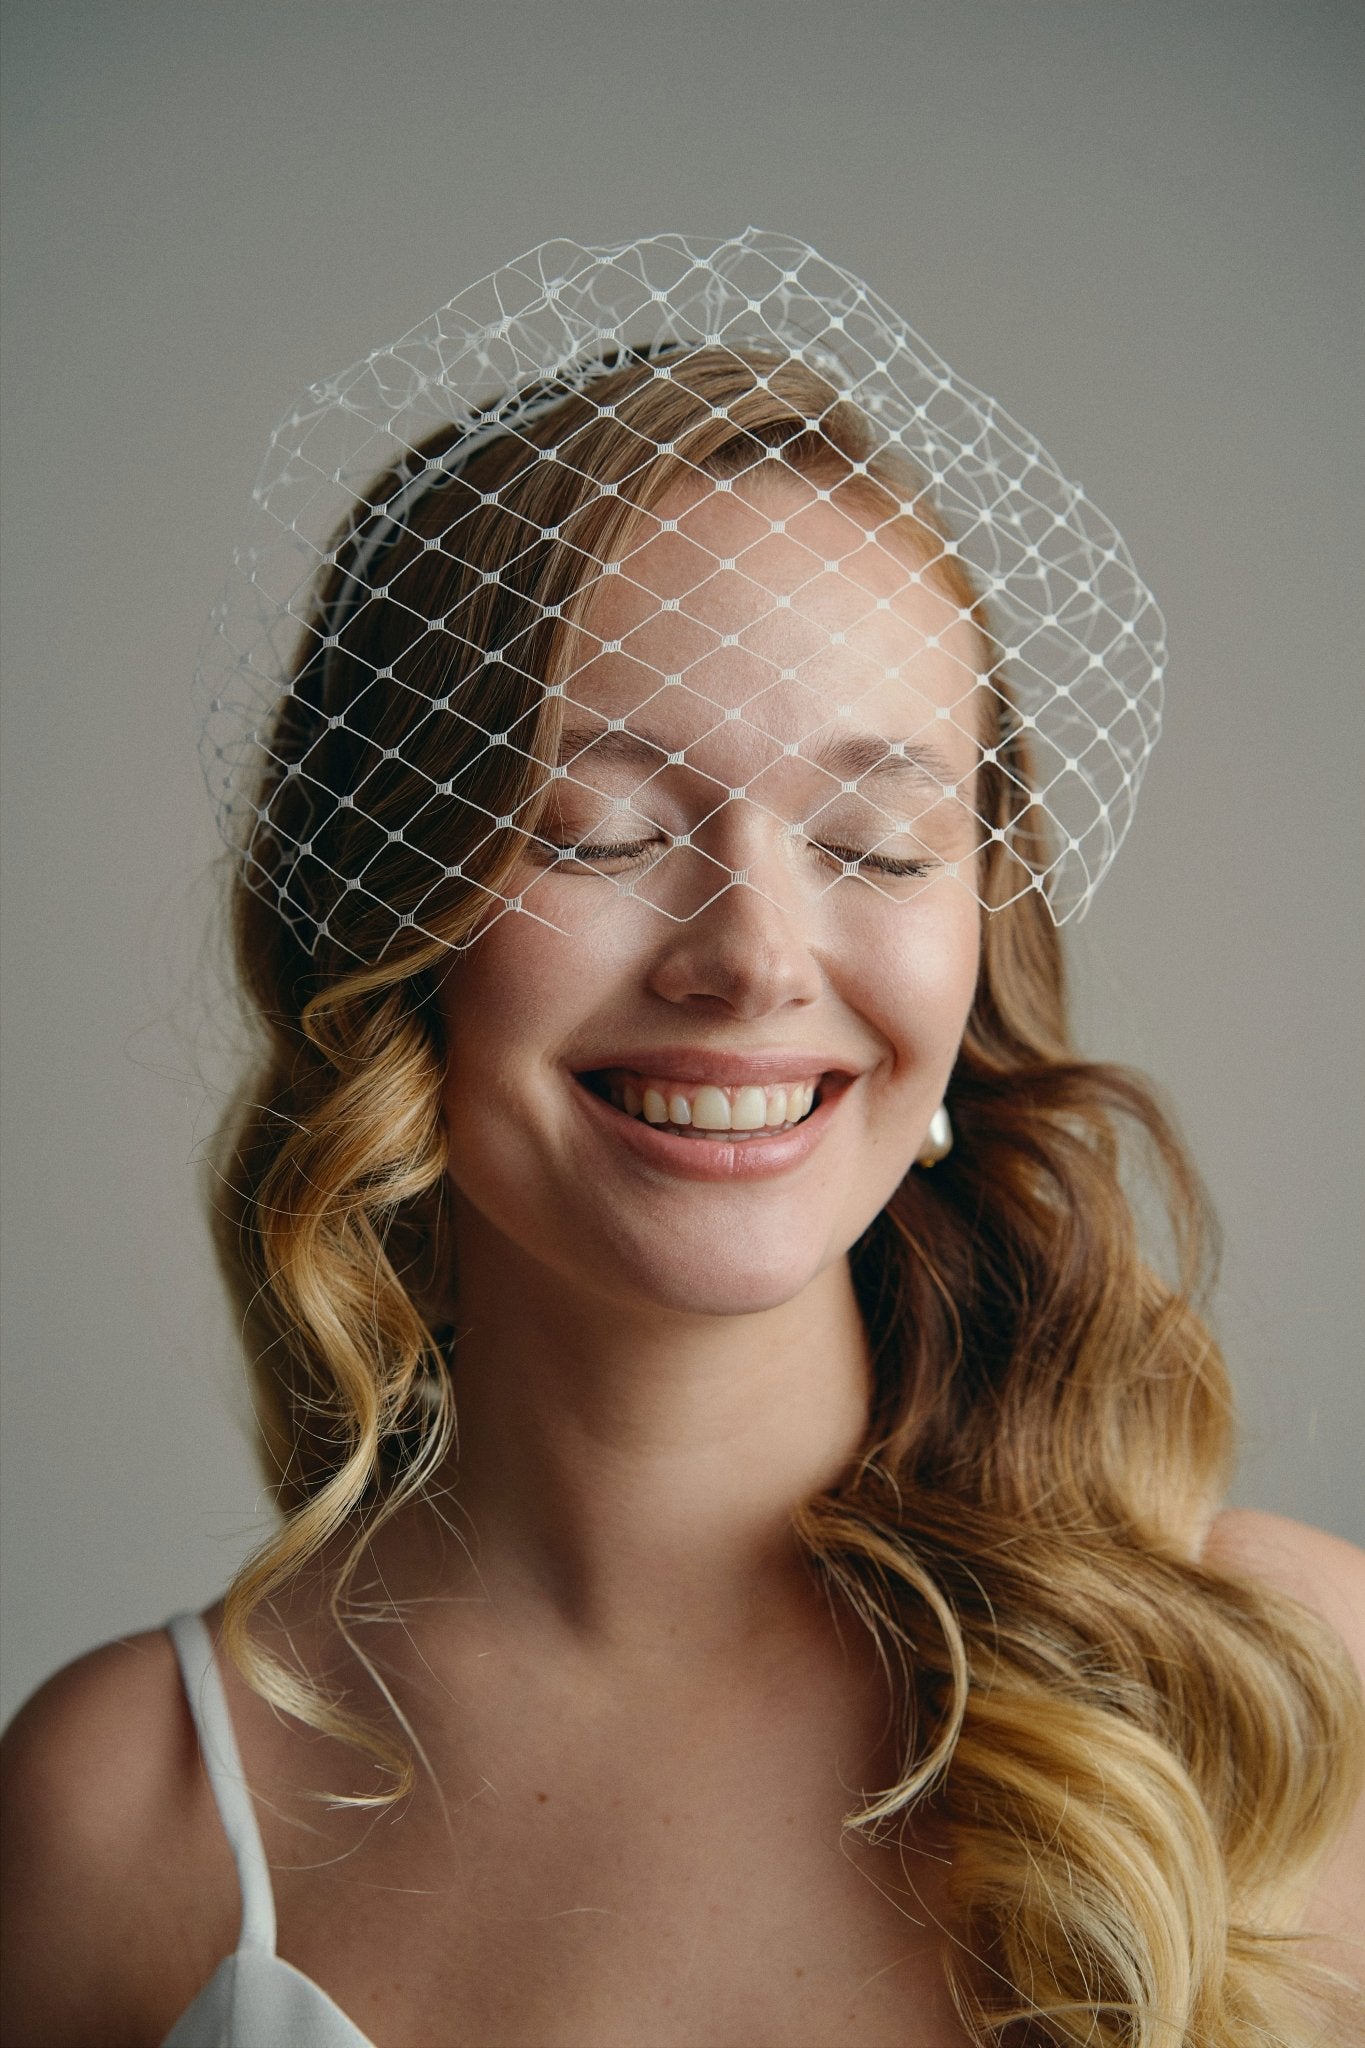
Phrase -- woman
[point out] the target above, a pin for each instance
(751, 1568)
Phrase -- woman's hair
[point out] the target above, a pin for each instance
(1140, 1759)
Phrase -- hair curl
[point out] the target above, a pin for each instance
(1140, 1759)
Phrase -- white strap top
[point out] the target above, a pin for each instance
(254, 1999)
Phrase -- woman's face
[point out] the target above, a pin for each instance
(768, 678)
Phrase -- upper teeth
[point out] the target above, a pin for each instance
(710, 1108)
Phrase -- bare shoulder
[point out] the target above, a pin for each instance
(1327, 1575)
(1324, 1572)
(104, 1827)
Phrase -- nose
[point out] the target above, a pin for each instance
(748, 952)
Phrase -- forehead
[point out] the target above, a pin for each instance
(770, 611)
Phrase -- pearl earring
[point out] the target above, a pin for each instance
(938, 1139)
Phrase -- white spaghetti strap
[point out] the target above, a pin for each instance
(218, 1747)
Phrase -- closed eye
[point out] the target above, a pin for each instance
(625, 850)
(848, 858)
(878, 863)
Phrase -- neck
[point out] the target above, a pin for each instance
(630, 1473)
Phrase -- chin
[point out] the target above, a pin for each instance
(725, 1279)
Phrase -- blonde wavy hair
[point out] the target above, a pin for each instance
(1140, 1759)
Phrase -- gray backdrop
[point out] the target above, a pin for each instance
(1134, 221)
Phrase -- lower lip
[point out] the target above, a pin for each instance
(711, 1159)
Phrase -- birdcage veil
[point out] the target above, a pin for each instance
(362, 763)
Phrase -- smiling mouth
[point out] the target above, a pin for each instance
(684, 1109)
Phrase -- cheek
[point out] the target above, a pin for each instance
(919, 980)
(518, 988)
(504, 1005)
(513, 1008)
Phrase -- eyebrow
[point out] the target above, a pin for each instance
(860, 757)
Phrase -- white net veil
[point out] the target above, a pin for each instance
(654, 571)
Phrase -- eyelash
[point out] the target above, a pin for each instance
(882, 863)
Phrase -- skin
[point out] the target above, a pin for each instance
(646, 1725)
(650, 1381)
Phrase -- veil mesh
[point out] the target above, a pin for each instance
(655, 570)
